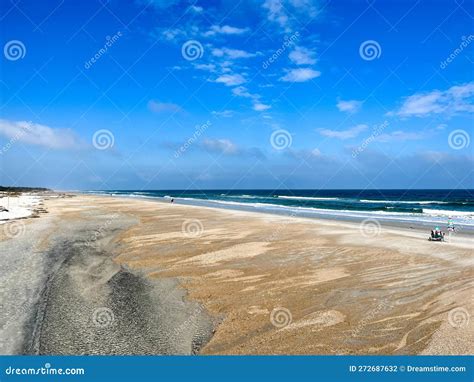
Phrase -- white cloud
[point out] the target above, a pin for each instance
(172, 34)
(302, 56)
(226, 29)
(196, 8)
(258, 106)
(224, 146)
(308, 7)
(159, 107)
(434, 156)
(242, 91)
(343, 134)
(351, 107)
(40, 135)
(400, 135)
(300, 75)
(227, 147)
(422, 104)
(278, 11)
(207, 67)
(232, 53)
(230, 79)
(462, 91)
(224, 113)
(456, 99)
(305, 154)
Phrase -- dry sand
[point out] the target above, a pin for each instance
(278, 285)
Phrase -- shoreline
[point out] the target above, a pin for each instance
(337, 216)
(462, 231)
(336, 291)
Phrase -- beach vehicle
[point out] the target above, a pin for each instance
(436, 235)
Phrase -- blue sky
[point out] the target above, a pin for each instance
(151, 94)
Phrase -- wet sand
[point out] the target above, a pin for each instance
(125, 276)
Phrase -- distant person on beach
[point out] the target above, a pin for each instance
(451, 227)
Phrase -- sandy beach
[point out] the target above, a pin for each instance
(110, 275)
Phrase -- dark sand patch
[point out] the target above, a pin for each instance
(91, 305)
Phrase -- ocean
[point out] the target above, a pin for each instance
(426, 207)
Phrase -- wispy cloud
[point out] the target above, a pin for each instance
(227, 147)
(163, 107)
(400, 135)
(222, 146)
(300, 75)
(169, 34)
(343, 134)
(226, 30)
(258, 106)
(276, 12)
(196, 8)
(305, 154)
(457, 99)
(302, 56)
(40, 135)
(208, 67)
(242, 91)
(223, 113)
(283, 12)
(231, 79)
(351, 107)
(422, 104)
(232, 53)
